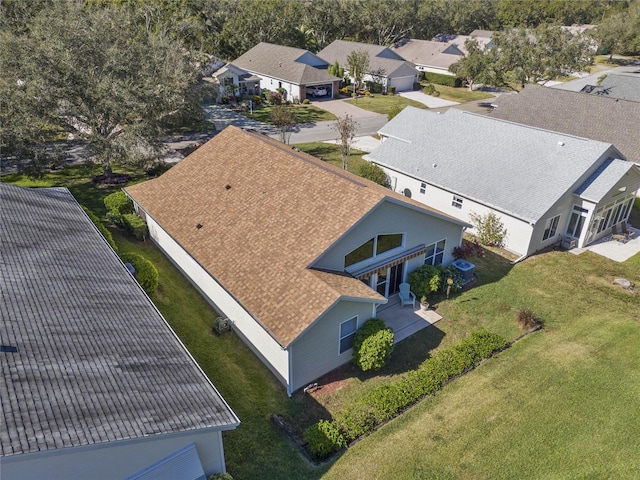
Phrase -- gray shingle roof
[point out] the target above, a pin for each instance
(294, 65)
(590, 116)
(623, 87)
(95, 360)
(604, 179)
(516, 169)
(431, 53)
(380, 58)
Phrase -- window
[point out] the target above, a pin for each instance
(457, 201)
(347, 334)
(576, 222)
(435, 253)
(372, 248)
(423, 188)
(551, 227)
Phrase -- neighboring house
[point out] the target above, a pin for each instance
(591, 116)
(94, 383)
(296, 253)
(431, 56)
(544, 186)
(234, 81)
(385, 66)
(270, 67)
(619, 86)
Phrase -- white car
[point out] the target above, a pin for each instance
(316, 91)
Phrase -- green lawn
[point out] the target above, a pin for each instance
(331, 154)
(561, 403)
(304, 114)
(461, 94)
(384, 103)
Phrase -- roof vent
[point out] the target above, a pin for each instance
(227, 187)
(561, 143)
(435, 165)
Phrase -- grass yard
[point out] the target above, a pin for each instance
(384, 103)
(561, 403)
(461, 94)
(303, 113)
(331, 154)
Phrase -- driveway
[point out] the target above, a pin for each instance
(428, 100)
(339, 107)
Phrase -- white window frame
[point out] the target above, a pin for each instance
(431, 259)
(457, 201)
(342, 337)
(551, 227)
(423, 188)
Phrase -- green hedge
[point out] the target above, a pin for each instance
(442, 79)
(146, 272)
(118, 202)
(372, 345)
(384, 402)
(135, 225)
(103, 230)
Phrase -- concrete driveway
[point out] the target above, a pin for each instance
(428, 100)
(339, 107)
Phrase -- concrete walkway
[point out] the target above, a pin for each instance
(428, 100)
(365, 143)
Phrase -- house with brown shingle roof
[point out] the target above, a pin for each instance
(295, 252)
(385, 66)
(268, 67)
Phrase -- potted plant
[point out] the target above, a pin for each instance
(424, 305)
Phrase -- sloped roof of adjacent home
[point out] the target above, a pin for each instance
(381, 58)
(94, 360)
(267, 212)
(430, 53)
(590, 116)
(285, 63)
(519, 170)
(620, 86)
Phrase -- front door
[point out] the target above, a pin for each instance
(576, 222)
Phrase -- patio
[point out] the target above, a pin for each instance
(406, 321)
(614, 249)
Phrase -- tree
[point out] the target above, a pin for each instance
(346, 127)
(283, 118)
(477, 66)
(358, 64)
(620, 33)
(94, 73)
(490, 230)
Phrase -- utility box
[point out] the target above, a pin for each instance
(465, 268)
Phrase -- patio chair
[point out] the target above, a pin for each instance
(407, 297)
(618, 237)
(628, 234)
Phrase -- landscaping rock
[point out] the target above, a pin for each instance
(624, 283)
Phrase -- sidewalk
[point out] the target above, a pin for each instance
(428, 100)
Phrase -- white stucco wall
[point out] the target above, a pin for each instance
(273, 84)
(112, 460)
(269, 351)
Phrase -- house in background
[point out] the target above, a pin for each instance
(385, 66)
(544, 186)
(298, 254)
(234, 81)
(269, 67)
(430, 56)
(94, 382)
(618, 86)
(590, 116)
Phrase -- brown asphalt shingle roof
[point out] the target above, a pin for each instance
(284, 63)
(589, 116)
(267, 213)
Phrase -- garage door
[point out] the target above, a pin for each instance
(402, 83)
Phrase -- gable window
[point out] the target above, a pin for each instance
(435, 253)
(457, 201)
(551, 227)
(423, 188)
(378, 245)
(348, 330)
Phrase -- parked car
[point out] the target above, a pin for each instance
(316, 91)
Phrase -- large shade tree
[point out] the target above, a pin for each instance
(97, 74)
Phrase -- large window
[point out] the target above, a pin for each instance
(372, 248)
(551, 227)
(348, 333)
(435, 253)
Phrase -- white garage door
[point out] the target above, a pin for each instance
(402, 83)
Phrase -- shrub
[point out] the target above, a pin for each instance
(527, 320)
(468, 249)
(374, 173)
(441, 79)
(101, 228)
(157, 168)
(450, 273)
(273, 98)
(395, 110)
(435, 93)
(135, 225)
(392, 90)
(306, 101)
(429, 89)
(118, 202)
(490, 230)
(372, 345)
(324, 438)
(384, 402)
(425, 280)
(220, 476)
(146, 272)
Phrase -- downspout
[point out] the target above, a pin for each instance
(290, 382)
(513, 262)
